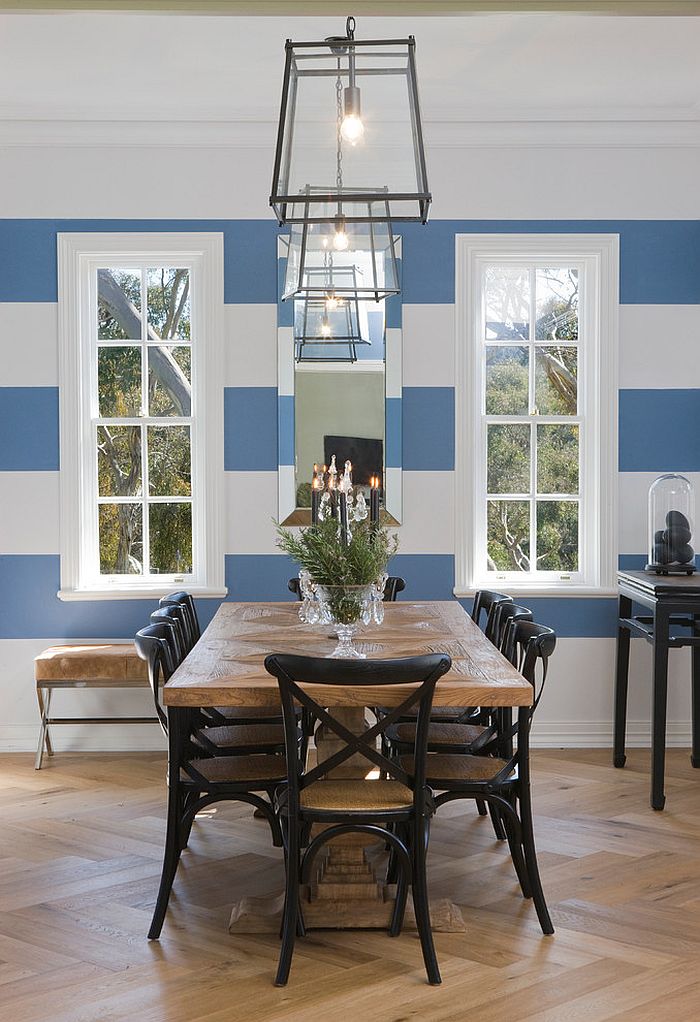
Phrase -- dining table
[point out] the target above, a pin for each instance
(226, 668)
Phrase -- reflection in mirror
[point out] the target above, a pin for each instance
(339, 391)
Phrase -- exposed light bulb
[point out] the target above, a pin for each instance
(340, 239)
(332, 302)
(351, 127)
(325, 326)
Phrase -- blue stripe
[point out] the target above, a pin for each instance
(427, 576)
(29, 429)
(428, 429)
(285, 426)
(393, 308)
(259, 576)
(660, 259)
(28, 254)
(30, 608)
(392, 424)
(250, 429)
(659, 430)
(571, 617)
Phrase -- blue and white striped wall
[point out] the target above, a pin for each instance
(659, 430)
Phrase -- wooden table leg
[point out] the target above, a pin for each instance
(658, 730)
(622, 668)
(346, 892)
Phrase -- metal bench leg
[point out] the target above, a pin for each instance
(44, 736)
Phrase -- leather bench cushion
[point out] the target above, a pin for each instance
(98, 665)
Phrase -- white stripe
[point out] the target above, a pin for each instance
(659, 346)
(251, 505)
(29, 342)
(633, 491)
(285, 361)
(428, 506)
(394, 371)
(29, 513)
(428, 346)
(251, 345)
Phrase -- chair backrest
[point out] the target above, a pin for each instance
(504, 613)
(153, 644)
(295, 672)
(394, 585)
(484, 602)
(186, 600)
(175, 617)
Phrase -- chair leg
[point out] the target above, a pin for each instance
(290, 919)
(171, 858)
(481, 807)
(403, 880)
(420, 902)
(516, 853)
(44, 740)
(497, 822)
(531, 861)
(186, 828)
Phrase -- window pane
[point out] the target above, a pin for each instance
(169, 381)
(121, 539)
(171, 538)
(508, 535)
(557, 535)
(507, 310)
(556, 380)
(119, 381)
(508, 459)
(119, 461)
(169, 472)
(168, 294)
(557, 459)
(119, 304)
(507, 380)
(557, 304)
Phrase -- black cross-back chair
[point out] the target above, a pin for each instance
(504, 782)
(186, 601)
(393, 586)
(175, 615)
(398, 800)
(483, 607)
(194, 780)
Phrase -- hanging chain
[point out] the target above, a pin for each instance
(339, 137)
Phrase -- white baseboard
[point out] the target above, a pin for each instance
(559, 734)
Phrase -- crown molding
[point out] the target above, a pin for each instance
(517, 134)
(385, 8)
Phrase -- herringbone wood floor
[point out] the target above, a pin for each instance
(80, 850)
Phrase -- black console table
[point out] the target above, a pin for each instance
(674, 602)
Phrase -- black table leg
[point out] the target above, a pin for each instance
(621, 679)
(695, 695)
(658, 727)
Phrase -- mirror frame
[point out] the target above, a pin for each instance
(289, 513)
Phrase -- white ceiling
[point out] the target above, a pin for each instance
(480, 68)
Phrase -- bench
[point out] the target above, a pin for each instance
(103, 665)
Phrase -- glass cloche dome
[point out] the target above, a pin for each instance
(671, 525)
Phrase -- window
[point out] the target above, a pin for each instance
(141, 414)
(536, 412)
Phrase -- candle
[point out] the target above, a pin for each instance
(315, 501)
(333, 494)
(343, 504)
(374, 500)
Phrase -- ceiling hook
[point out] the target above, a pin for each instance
(350, 27)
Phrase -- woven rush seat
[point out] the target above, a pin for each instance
(356, 795)
(236, 736)
(241, 712)
(441, 767)
(448, 714)
(438, 734)
(235, 769)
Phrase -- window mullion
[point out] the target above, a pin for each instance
(145, 524)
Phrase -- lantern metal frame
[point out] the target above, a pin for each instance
(346, 48)
(348, 311)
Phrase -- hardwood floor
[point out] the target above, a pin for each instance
(80, 856)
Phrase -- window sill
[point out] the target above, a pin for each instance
(598, 592)
(146, 593)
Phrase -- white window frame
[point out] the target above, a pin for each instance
(597, 256)
(79, 258)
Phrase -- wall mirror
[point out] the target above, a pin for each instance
(339, 392)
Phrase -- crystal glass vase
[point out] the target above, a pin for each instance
(346, 608)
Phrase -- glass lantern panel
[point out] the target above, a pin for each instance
(343, 259)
